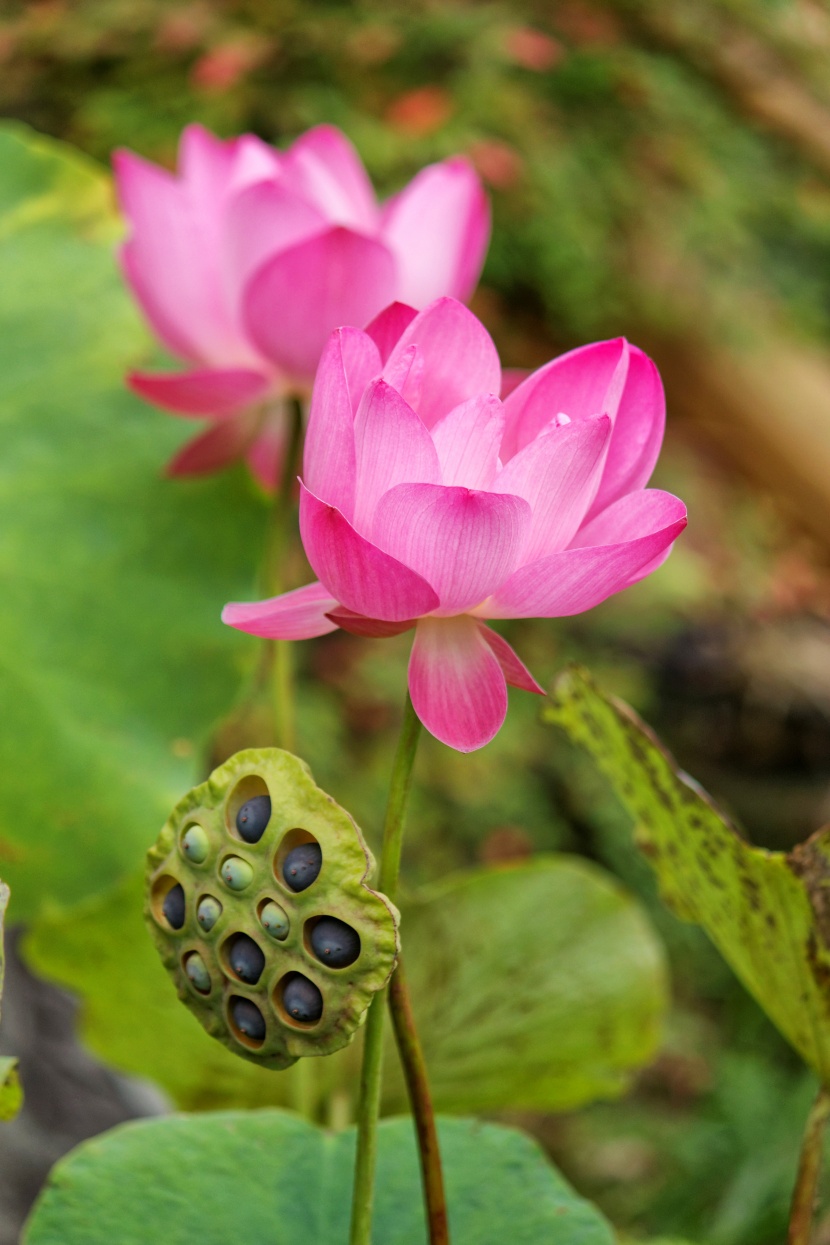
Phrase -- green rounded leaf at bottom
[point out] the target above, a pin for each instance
(270, 1176)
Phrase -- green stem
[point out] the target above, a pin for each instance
(277, 545)
(417, 1083)
(370, 1079)
(809, 1166)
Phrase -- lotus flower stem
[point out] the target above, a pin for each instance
(809, 1167)
(371, 1075)
(417, 1083)
(279, 534)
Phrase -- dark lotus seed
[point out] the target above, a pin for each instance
(301, 999)
(334, 942)
(248, 1019)
(173, 906)
(253, 817)
(302, 865)
(246, 959)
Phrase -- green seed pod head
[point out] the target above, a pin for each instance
(245, 958)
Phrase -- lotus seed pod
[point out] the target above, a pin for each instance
(273, 938)
(275, 921)
(253, 817)
(208, 912)
(301, 999)
(195, 844)
(302, 866)
(236, 873)
(334, 942)
(194, 966)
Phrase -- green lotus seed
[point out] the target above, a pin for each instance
(195, 968)
(236, 873)
(195, 844)
(208, 912)
(275, 921)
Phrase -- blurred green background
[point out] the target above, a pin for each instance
(659, 169)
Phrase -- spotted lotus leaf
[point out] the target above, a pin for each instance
(251, 956)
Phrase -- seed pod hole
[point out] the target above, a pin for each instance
(168, 902)
(299, 1001)
(274, 919)
(247, 1022)
(195, 844)
(298, 861)
(236, 873)
(332, 941)
(197, 973)
(244, 958)
(208, 912)
(248, 809)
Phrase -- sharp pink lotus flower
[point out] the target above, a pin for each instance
(246, 261)
(427, 502)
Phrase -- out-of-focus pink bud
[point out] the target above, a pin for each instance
(429, 502)
(245, 260)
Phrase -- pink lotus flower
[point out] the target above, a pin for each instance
(427, 502)
(246, 261)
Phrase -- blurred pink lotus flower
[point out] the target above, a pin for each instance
(246, 260)
(427, 502)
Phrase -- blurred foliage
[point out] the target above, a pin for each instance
(10, 1093)
(765, 912)
(113, 662)
(201, 1178)
(578, 1001)
(649, 161)
(658, 168)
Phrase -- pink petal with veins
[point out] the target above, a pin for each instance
(357, 573)
(297, 615)
(392, 446)
(456, 682)
(460, 360)
(387, 327)
(349, 360)
(515, 671)
(557, 475)
(468, 439)
(579, 578)
(465, 543)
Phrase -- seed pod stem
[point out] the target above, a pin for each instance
(417, 1083)
(372, 1071)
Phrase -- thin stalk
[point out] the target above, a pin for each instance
(372, 1071)
(809, 1166)
(415, 1071)
(277, 545)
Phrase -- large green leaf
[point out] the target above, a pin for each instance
(113, 662)
(540, 986)
(10, 1092)
(269, 1176)
(768, 913)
